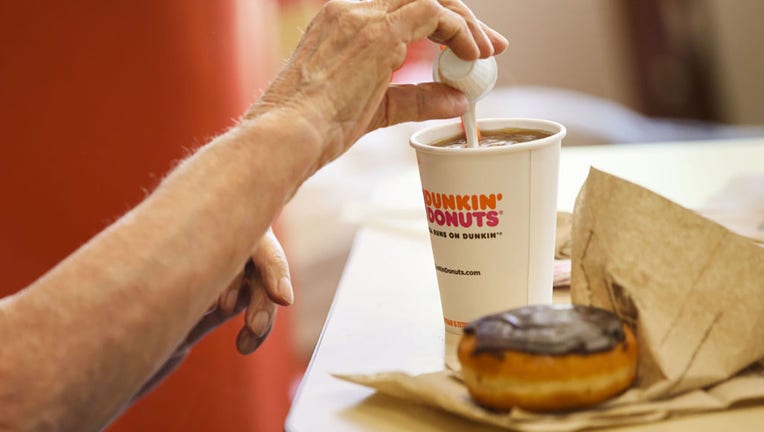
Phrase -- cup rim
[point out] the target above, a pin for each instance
(421, 140)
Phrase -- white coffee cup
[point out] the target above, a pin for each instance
(491, 213)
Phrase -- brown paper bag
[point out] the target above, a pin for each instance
(693, 290)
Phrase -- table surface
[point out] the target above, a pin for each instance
(386, 314)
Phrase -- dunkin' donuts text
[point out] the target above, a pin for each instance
(464, 211)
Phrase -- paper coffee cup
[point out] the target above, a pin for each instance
(491, 214)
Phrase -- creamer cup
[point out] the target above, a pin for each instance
(491, 214)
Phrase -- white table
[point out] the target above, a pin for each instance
(386, 313)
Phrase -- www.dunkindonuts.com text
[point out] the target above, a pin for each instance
(457, 272)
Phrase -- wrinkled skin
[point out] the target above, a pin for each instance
(338, 79)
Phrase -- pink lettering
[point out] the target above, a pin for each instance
(452, 219)
(492, 218)
(479, 216)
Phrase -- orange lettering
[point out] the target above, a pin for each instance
(454, 323)
(488, 202)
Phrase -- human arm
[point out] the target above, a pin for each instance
(79, 343)
(263, 283)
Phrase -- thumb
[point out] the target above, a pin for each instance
(418, 102)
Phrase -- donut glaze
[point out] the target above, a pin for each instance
(547, 329)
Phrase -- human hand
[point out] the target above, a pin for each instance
(336, 83)
(263, 283)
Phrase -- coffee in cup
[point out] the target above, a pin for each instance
(498, 138)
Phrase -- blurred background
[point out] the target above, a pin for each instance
(100, 99)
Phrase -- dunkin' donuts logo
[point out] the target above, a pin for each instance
(462, 211)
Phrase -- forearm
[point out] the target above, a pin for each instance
(100, 323)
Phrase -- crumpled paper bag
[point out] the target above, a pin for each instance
(562, 242)
(693, 290)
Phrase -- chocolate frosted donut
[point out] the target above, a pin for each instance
(549, 357)
(553, 330)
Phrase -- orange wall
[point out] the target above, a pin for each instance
(99, 100)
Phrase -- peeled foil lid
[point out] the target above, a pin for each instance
(473, 78)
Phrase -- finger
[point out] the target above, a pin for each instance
(260, 311)
(454, 32)
(247, 342)
(271, 261)
(426, 18)
(499, 42)
(475, 26)
(258, 322)
(208, 323)
(217, 317)
(227, 299)
(481, 38)
(418, 102)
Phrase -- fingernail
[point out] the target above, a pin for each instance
(285, 290)
(230, 300)
(260, 323)
(246, 342)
